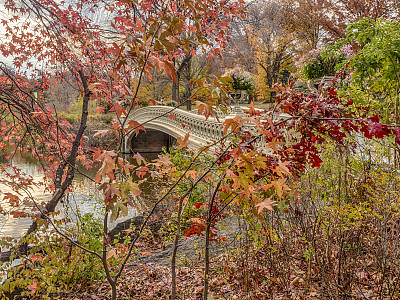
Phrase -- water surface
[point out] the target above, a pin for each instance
(85, 198)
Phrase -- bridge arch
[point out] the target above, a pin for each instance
(150, 141)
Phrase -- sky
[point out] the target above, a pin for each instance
(9, 59)
(100, 16)
(6, 60)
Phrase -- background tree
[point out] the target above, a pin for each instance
(200, 69)
(304, 19)
(157, 88)
(263, 43)
(336, 15)
(374, 68)
(212, 43)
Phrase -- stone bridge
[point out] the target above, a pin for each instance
(163, 126)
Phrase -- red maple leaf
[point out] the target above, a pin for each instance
(397, 133)
(378, 130)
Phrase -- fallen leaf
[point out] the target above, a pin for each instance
(101, 132)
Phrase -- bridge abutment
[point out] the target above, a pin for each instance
(149, 141)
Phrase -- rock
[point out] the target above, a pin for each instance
(118, 231)
(191, 250)
(154, 223)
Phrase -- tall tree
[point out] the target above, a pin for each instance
(374, 69)
(262, 42)
(304, 19)
(216, 21)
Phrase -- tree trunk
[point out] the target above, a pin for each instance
(189, 87)
(210, 219)
(396, 117)
(175, 249)
(175, 84)
(175, 89)
(60, 187)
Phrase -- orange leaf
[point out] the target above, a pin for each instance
(120, 109)
(267, 203)
(204, 107)
(282, 168)
(196, 220)
(18, 214)
(274, 144)
(102, 132)
(234, 124)
(252, 111)
(170, 70)
(100, 109)
(12, 199)
(112, 253)
(279, 186)
(191, 173)
(139, 158)
(36, 257)
(183, 143)
(137, 127)
(32, 287)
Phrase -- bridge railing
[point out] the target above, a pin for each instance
(194, 123)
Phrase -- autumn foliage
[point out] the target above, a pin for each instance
(254, 170)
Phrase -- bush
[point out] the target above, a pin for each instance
(320, 62)
(107, 119)
(172, 104)
(241, 80)
(54, 265)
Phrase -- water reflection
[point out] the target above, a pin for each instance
(85, 198)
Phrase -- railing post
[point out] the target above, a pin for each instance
(237, 110)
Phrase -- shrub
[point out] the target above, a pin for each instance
(320, 62)
(172, 104)
(54, 265)
(107, 119)
(241, 80)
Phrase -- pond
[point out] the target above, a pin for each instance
(85, 198)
